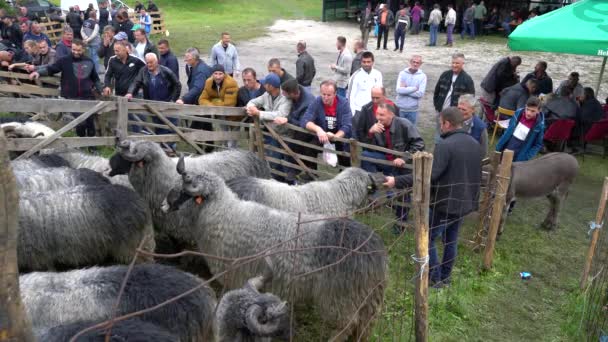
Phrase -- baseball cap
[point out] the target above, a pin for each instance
(120, 36)
(272, 79)
(136, 27)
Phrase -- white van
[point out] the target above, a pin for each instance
(82, 4)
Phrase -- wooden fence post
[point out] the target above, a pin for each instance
(122, 115)
(486, 198)
(174, 128)
(502, 186)
(355, 159)
(423, 163)
(596, 233)
(14, 325)
(259, 137)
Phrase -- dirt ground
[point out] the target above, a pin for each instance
(281, 39)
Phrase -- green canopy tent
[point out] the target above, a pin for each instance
(580, 28)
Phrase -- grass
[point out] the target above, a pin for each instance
(200, 23)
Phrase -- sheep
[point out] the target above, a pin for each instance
(39, 162)
(130, 330)
(342, 195)
(246, 315)
(152, 174)
(346, 287)
(57, 178)
(54, 299)
(82, 226)
(27, 129)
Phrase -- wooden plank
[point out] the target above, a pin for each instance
(503, 178)
(596, 234)
(384, 162)
(44, 79)
(15, 105)
(62, 130)
(316, 147)
(294, 166)
(259, 137)
(28, 89)
(24, 144)
(404, 155)
(354, 153)
(291, 153)
(122, 115)
(203, 119)
(175, 129)
(165, 107)
(303, 157)
(423, 163)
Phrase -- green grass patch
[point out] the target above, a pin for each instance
(200, 23)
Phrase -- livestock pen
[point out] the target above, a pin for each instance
(405, 309)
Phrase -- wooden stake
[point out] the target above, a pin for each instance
(423, 163)
(63, 129)
(175, 129)
(486, 199)
(502, 186)
(259, 137)
(14, 325)
(596, 234)
(355, 161)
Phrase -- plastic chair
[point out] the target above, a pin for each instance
(559, 132)
(502, 124)
(597, 132)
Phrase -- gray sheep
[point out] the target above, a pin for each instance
(39, 162)
(57, 178)
(54, 299)
(82, 226)
(130, 330)
(341, 195)
(152, 174)
(246, 315)
(346, 287)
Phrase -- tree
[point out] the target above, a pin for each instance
(14, 325)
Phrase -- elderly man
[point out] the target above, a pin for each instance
(329, 117)
(143, 45)
(472, 124)
(158, 84)
(342, 67)
(274, 66)
(451, 84)
(366, 118)
(224, 53)
(305, 66)
(198, 72)
(502, 75)
(36, 34)
(273, 108)
(251, 88)
(455, 179)
(167, 58)
(411, 85)
(362, 81)
(75, 69)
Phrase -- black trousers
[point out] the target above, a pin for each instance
(382, 31)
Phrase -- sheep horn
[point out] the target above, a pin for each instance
(253, 316)
(39, 134)
(181, 165)
(268, 273)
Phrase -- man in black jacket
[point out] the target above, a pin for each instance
(516, 96)
(158, 84)
(450, 86)
(251, 88)
(503, 74)
(455, 179)
(305, 66)
(74, 20)
(78, 79)
(11, 33)
(544, 82)
(198, 72)
(124, 24)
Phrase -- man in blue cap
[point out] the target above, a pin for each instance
(273, 108)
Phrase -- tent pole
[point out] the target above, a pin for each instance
(599, 81)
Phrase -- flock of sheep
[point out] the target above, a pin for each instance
(262, 240)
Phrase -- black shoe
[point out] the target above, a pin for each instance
(396, 49)
(401, 51)
(377, 48)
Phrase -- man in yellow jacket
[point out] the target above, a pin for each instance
(221, 90)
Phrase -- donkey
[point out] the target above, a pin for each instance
(550, 175)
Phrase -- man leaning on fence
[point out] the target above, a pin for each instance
(455, 180)
(78, 80)
(273, 108)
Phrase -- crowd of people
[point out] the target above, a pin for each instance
(352, 103)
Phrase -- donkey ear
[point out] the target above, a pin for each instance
(181, 165)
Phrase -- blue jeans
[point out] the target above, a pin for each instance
(400, 211)
(273, 154)
(309, 88)
(342, 92)
(434, 29)
(411, 116)
(92, 52)
(447, 228)
(470, 27)
(399, 38)
(160, 131)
